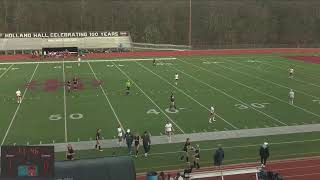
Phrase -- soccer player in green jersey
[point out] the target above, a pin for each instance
(128, 85)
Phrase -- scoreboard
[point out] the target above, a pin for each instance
(27, 161)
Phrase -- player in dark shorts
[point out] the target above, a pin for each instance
(70, 152)
(75, 83)
(146, 143)
(69, 86)
(154, 62)
(98, 138)
(172, 103)
(136, 140)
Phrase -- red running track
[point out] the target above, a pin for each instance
(291, 169)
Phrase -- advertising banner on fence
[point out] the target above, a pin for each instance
(65, 34)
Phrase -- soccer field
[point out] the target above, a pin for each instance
(248, 91)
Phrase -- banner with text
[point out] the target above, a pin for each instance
(65, 34)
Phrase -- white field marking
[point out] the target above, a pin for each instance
(233, 126)
(256, 77)
(303, 175)
(194, 131)
(226, 129)
(266, 126)
(93, 60)
(150, 99)
(64, 104)
(107, 98)
(6, 71)
(204, 130)
(295, 79)
(161, 134)
(298, 107)
(16, 112)
(316, 100)
(230, 96)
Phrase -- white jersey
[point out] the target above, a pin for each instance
(18, 93)
(291, 70)
(119, 132)
(79, 59)
(168, 127)
(176, 76)
(212, 110)
(291, 94)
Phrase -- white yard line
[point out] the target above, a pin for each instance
(295, 79)
(221, 91)
(19, 105)
(6, 71)
(92, 60)
(107, 98)
(249, 87)
(64, 104)
(256, 77)
(233, 126)
(150, 99)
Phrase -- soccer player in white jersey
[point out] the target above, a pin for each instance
(211, 116)
(176, 77)
(19, 98)
(168, 130)
(120, 135)
(79, 59)
(291, 96)
(291, 71)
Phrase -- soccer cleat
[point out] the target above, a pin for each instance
(100, 150)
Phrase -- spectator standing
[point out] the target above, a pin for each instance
(70, 152)
(129, 139)
(161, 176)
(218, 156)
(196, 157)
(264, 154)
(146, 141)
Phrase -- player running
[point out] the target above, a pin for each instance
(19, 98)
(128, 85)
(291, 71)
(154, 62)
(79, 59)
(69, 86)
(98, 138)
(120, 135)
(172, 103)
(75, 83)
(176, 77)
(168, 130)
(291, 96)
(212, 115)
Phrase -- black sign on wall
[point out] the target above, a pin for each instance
(27, 161)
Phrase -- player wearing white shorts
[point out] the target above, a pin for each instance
(168, 130)
(211, 116)
(291, 96)
(120, 135)
(176, 77)
(291, 71)
(19, 98)
(79, 59)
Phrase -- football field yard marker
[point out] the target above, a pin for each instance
(223, 92)
(271, 82)
(150, 99)
(186, 94)
(18, 107)
(64, 104)
(107, 98)
(6, 71)
(254, 89)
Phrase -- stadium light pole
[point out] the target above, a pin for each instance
(190, 23)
